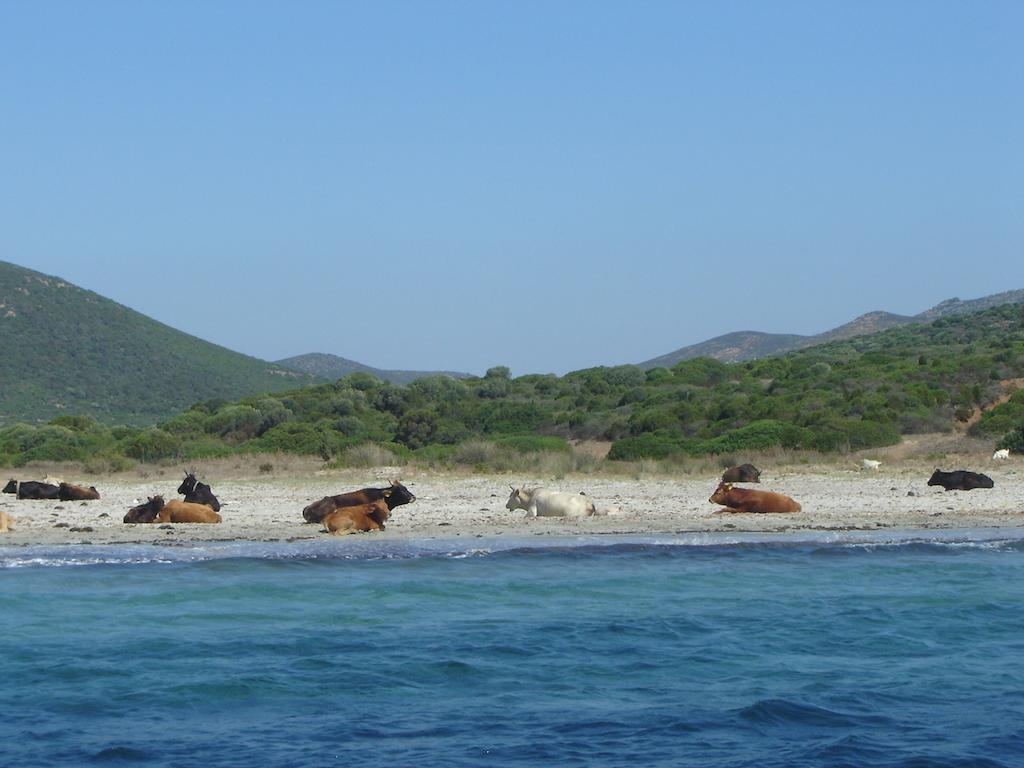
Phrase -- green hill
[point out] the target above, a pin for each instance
(67, 350)
(334, 367)
(753, 345)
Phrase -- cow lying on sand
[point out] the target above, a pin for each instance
(394, 496)
(68, 492)
(746, 500)
(960, 480)
(359, 518)
(744, 473)
(197, 492)
(540, 502)
(145, 513)
(187, 512)
(155, 511)
(32, 489)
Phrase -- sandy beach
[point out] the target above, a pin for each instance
(269, 508)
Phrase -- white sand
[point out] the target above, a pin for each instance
(452, 505)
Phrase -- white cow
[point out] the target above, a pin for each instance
(540, 502)
(1001, 455)
(870, 464)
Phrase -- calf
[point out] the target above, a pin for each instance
(68, 492)
(1001, 455)
(744, 473)
(197, 492)
(5, 522)
(361, 517)
(745, 500)
(394, 496)
(145, 513)
(870, 464)
(32, 489)
(960, 480)
(186, 512)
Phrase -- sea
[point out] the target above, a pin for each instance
(895, 649)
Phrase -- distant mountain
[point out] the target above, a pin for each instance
(67, 350)
(752, 345)
(333, 367)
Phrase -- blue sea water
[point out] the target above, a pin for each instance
(853, 650)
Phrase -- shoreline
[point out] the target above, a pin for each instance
(269, 509)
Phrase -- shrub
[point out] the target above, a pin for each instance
(153, 444)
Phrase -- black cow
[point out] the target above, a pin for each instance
(960, 480)
(744, 473)
(145, 513)
(198, 493)
(32, 489)
(394, 496)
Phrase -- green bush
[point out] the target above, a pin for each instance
(650, 445)
(533, 443)
(153, 444)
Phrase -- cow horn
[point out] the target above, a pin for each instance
(511, 486)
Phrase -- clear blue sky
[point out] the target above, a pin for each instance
(543, 185)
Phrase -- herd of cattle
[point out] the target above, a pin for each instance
(369, 508)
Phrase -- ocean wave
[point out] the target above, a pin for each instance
(828, 543)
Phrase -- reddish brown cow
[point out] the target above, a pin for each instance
(746, 500)
(364, 517)
(69, 492)
(186, 512)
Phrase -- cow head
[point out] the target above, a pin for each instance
(516, 499)
(11, 487)
(398, 494)
(189, 483)
(719, 496)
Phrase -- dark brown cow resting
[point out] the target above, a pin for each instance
(145, 513)
(68, 492)
(960, 480)
(744, 473)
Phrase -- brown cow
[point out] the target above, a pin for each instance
(746, 500)
(744, 473)
(395, 496)
(68, 492)
(363, 517)
(186, 512)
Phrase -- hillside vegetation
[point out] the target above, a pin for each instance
(859, 393)
(69, 350)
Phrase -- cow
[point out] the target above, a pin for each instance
(960, 480)
(5, 522)
(540, 502)
(187, 512)
(870, 464)
(68, 492)
(746, 500)
(32, 489)
(358, 518)
(198, 493)
(744, 473)
(145, 513)
(394, 496)
(1001, 455)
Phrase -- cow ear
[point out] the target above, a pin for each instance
(386, 493)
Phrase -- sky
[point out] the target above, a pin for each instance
(547, 186)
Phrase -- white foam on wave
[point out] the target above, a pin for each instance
(403, 549)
